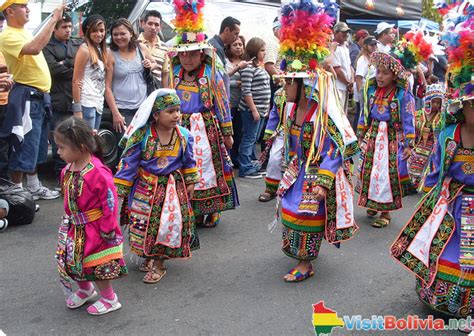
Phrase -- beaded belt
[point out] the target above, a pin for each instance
(83, 217)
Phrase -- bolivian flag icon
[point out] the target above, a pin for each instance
(325, 319)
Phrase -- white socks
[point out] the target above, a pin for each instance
(33, 182)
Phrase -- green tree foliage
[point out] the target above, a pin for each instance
(429, 12)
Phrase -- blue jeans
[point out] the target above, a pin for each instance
(250, 129)
(4, 147)
(34, 149)
(91, 116)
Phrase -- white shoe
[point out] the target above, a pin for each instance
(75, 301)
(101, 309)
(44, 193)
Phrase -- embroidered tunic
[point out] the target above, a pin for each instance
(436, 244)
(306, 221)
(426, 134)
(387, 130)
(152, 177)
(205, 113)
(90, 243)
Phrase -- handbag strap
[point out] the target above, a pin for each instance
(140, 52)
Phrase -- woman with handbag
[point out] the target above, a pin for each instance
(125, 80)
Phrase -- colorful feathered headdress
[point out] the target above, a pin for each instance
(433, 91)
(414, 47)
(458, 36)
(305, 34)
(189, 25)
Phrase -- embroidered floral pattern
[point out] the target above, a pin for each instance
(144, 229)
(108, 271)
(447, 297)
(367, 167)
(446, 229)
(219, 198)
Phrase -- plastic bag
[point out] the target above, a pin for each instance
(21, 202)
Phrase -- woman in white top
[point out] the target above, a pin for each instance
(363, 71)
(88, 81)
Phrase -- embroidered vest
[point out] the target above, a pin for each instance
(394, 106)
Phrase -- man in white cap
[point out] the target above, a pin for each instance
(385, 36)
(342, 64)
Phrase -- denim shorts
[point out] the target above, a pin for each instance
(34, 149)
(91, 116)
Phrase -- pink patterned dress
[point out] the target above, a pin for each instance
(90, 239)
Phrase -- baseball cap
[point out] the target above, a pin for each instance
(5, 4)
(370, 40)
(361, 33)
(341, 27)
(383, 26)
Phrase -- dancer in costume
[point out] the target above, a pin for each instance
(273, 137)
(427, 127)
(206, 113)
(437, 243)
(387, 130)
(315, 192)
(156, 177)
(281, 136)
(90, 240)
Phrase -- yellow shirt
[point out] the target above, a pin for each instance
(30, 70)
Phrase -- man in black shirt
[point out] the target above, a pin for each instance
(59, 54)
(229, 32)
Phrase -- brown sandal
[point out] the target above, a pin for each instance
(265, 197)
(371, 213)
(154, 275)
(146, 265)
(381, 222)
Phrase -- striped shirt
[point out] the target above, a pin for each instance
(255, 83)
(159, 51)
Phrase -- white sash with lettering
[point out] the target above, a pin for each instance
(344, 201)
(202, 154)
(171, 221)
(420, 245)
(336, 113)
(380, 190)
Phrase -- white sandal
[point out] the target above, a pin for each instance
(77, 301)
(102, 309)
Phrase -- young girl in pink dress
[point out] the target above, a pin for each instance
(90, 240)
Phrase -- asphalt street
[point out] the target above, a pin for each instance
(231, 286)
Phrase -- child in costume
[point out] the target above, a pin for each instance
(273, 136)
(205, 113)
(386, 127)
(437, 243)
(90, 240)
(315, 193)
(427, 127)
(156, 177)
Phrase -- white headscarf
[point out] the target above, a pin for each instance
(141, 116)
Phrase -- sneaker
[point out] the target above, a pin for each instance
(253, 176)
(3, 224)
(44, 193)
